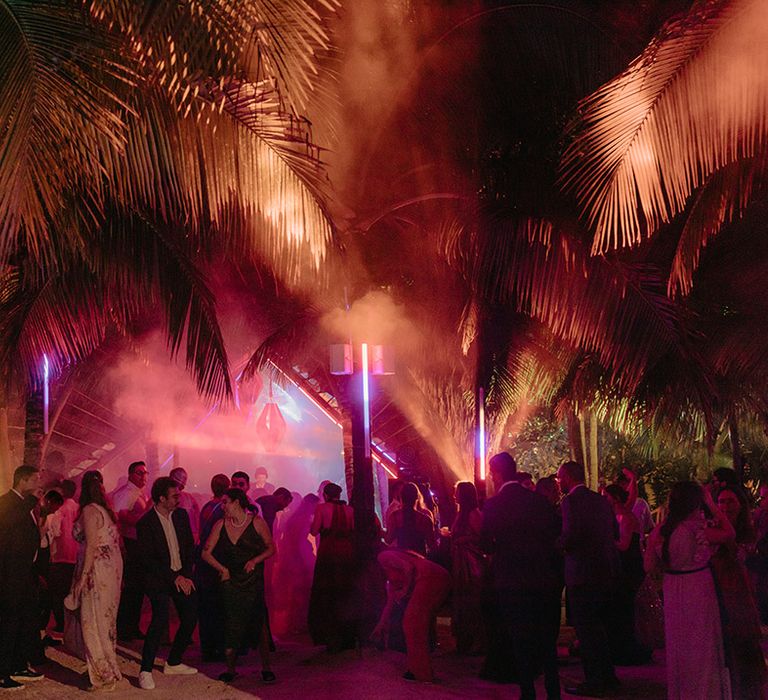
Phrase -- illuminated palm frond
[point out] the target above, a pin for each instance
(693, 102)
(616, 310)
(126, 271)
(181, 45)
(723, 198)
(64, 90)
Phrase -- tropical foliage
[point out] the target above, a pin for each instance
(138, 139)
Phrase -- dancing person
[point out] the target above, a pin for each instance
(47, 509)
(63, 552)
(468, 571)
(680, 546)
(95, 591)
(19, 545)
(331, 619)
(520, 530)
(237, 548)
(427, 584)
(210, 604)
(261, 485)
(168, 551)
(293, 573)
(187, 500)
(740, 618)
(241, 480)
(272, 504)
(410, 528)
(625, 649)
(640, 508)
(130, 504)
(591, 569)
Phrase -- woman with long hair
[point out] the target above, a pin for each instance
(681, 546)
(237, 548)
(740, 619)
(468, 564)
(95, 592)
(411, 528)
(333, 618)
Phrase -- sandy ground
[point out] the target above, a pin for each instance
(310, 674)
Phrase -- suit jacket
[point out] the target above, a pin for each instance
(589, 529)
(158, 576)
(19, 544)
(520, 531)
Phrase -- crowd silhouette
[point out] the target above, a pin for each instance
(260, 563)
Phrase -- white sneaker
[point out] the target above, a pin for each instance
(179, 669)
(146, 682)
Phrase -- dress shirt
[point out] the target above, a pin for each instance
(171, 539)
(131, 498)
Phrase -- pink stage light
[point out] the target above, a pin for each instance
(481, 431)
(46, 392)
(366, 401)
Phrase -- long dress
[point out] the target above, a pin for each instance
(694, 641)
(99, 599)
(332, 617)
(469, 566)
(740, 622)
(243, 593)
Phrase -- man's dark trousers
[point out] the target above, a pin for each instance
(186, 607)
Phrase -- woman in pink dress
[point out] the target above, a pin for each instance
(95, 591)
(681, 546)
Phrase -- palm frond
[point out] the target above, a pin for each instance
(64, 92)
(723, 198)
(618, 311)
(694, 101)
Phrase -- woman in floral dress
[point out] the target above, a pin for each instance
(96, 584)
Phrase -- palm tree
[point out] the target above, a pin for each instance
(137, 139)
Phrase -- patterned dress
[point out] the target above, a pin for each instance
(99, 599)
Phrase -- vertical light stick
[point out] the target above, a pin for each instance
(366, 402)
(46, 395)
(481, 431)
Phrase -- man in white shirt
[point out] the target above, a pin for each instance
(130, 504)
(63, 551)
(168, 550)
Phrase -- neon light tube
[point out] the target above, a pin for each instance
(386, 468)
(366, 402)
(481, 431)
(46, 393)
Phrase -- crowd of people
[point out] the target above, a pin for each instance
(507, 572)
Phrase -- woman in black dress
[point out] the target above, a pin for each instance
(237, 548)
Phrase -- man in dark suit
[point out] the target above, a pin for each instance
(591, 568)
(520, 531)
(167, 549)
(19, 545)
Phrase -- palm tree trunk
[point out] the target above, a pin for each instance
(33, 428)
(574, 438)
(594, 457)
(733, 435)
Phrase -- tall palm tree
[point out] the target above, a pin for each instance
(137, 138)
